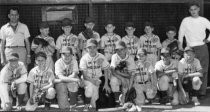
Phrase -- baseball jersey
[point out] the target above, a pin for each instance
(63, 69)
(188, 68)
(143, 70)
(14, 38)
(132, 44)
(151, 44)
(94, 65)
(167, 42)
(116, 59)
(51, 42)
(160, 66)
(40, 78)
(70, 41)
(84, 40)
(8, 74)
(108, 43)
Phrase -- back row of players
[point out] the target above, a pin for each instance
(129, 61)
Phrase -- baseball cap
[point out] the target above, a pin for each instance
(129, 24)
(109, 22)
(141, 51)
(66, 22)
(91, 42)
(66, 49)
(120, 45)
(43, 25)
(164, 51)
(188, 49)
(196, 83)
(89, 20)
(13, 57)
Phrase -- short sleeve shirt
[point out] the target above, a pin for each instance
(8, 74)
(151, 44)
(108, 43)
(63, 69)
(116, 59)
(132, 44)
(40, 78)
(70, 41)
(188, 68)
(94, 65)
(143, 70)
(15, 38)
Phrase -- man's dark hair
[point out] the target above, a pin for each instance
(40, 54)
(13, 8)
(148, 23)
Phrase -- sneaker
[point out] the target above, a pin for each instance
(195, 100)
(18, 108)
(73, 108)
(86, 107)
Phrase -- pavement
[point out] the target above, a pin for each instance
(204, 107)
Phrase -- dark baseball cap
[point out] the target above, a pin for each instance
(43, 25)
(66, 22)
(66, 49)
(120, 45)
(109, 22)
(13, 57)
(89, 20)
(129, 24)
(188, 49)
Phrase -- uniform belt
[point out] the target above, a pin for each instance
(142, 82)
(151, 53)
(15, 46)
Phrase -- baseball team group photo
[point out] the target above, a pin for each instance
(82, 69)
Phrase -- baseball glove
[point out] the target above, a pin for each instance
(88, 33)
(130, 96)
(173, 47)
(41, 41)
(121, 65)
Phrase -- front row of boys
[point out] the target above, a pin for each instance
(139, 74)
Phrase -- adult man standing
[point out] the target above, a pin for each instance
(14, 37)
(193, 28)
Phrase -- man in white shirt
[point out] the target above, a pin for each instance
(193, 28)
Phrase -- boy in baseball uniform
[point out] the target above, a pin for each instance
(167, 74)
(12, 83)
(131, 41)
(109, 40)
(91, 65)
(67, 38)
(48, 47)
(87, 34)
(41, 84)
(66, 70)
(190, 71)
(123, 69)
(151, 43)
(145, 80)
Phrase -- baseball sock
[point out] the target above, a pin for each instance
(87, 100)
(73, 98)
(20, 99)
(116, 95)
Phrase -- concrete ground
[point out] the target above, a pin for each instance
(204, 107)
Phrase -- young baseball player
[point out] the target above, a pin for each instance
(41, 84)
(66, 70)
(88, 33)
(91, 65)
(122, 68)
(109, 40)
(67, 38)
(44, 43)
(151, 43)
(166, 71)
(145, 80)
(170, 33)
(131, 41)
(12, 83)
(190, 72)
